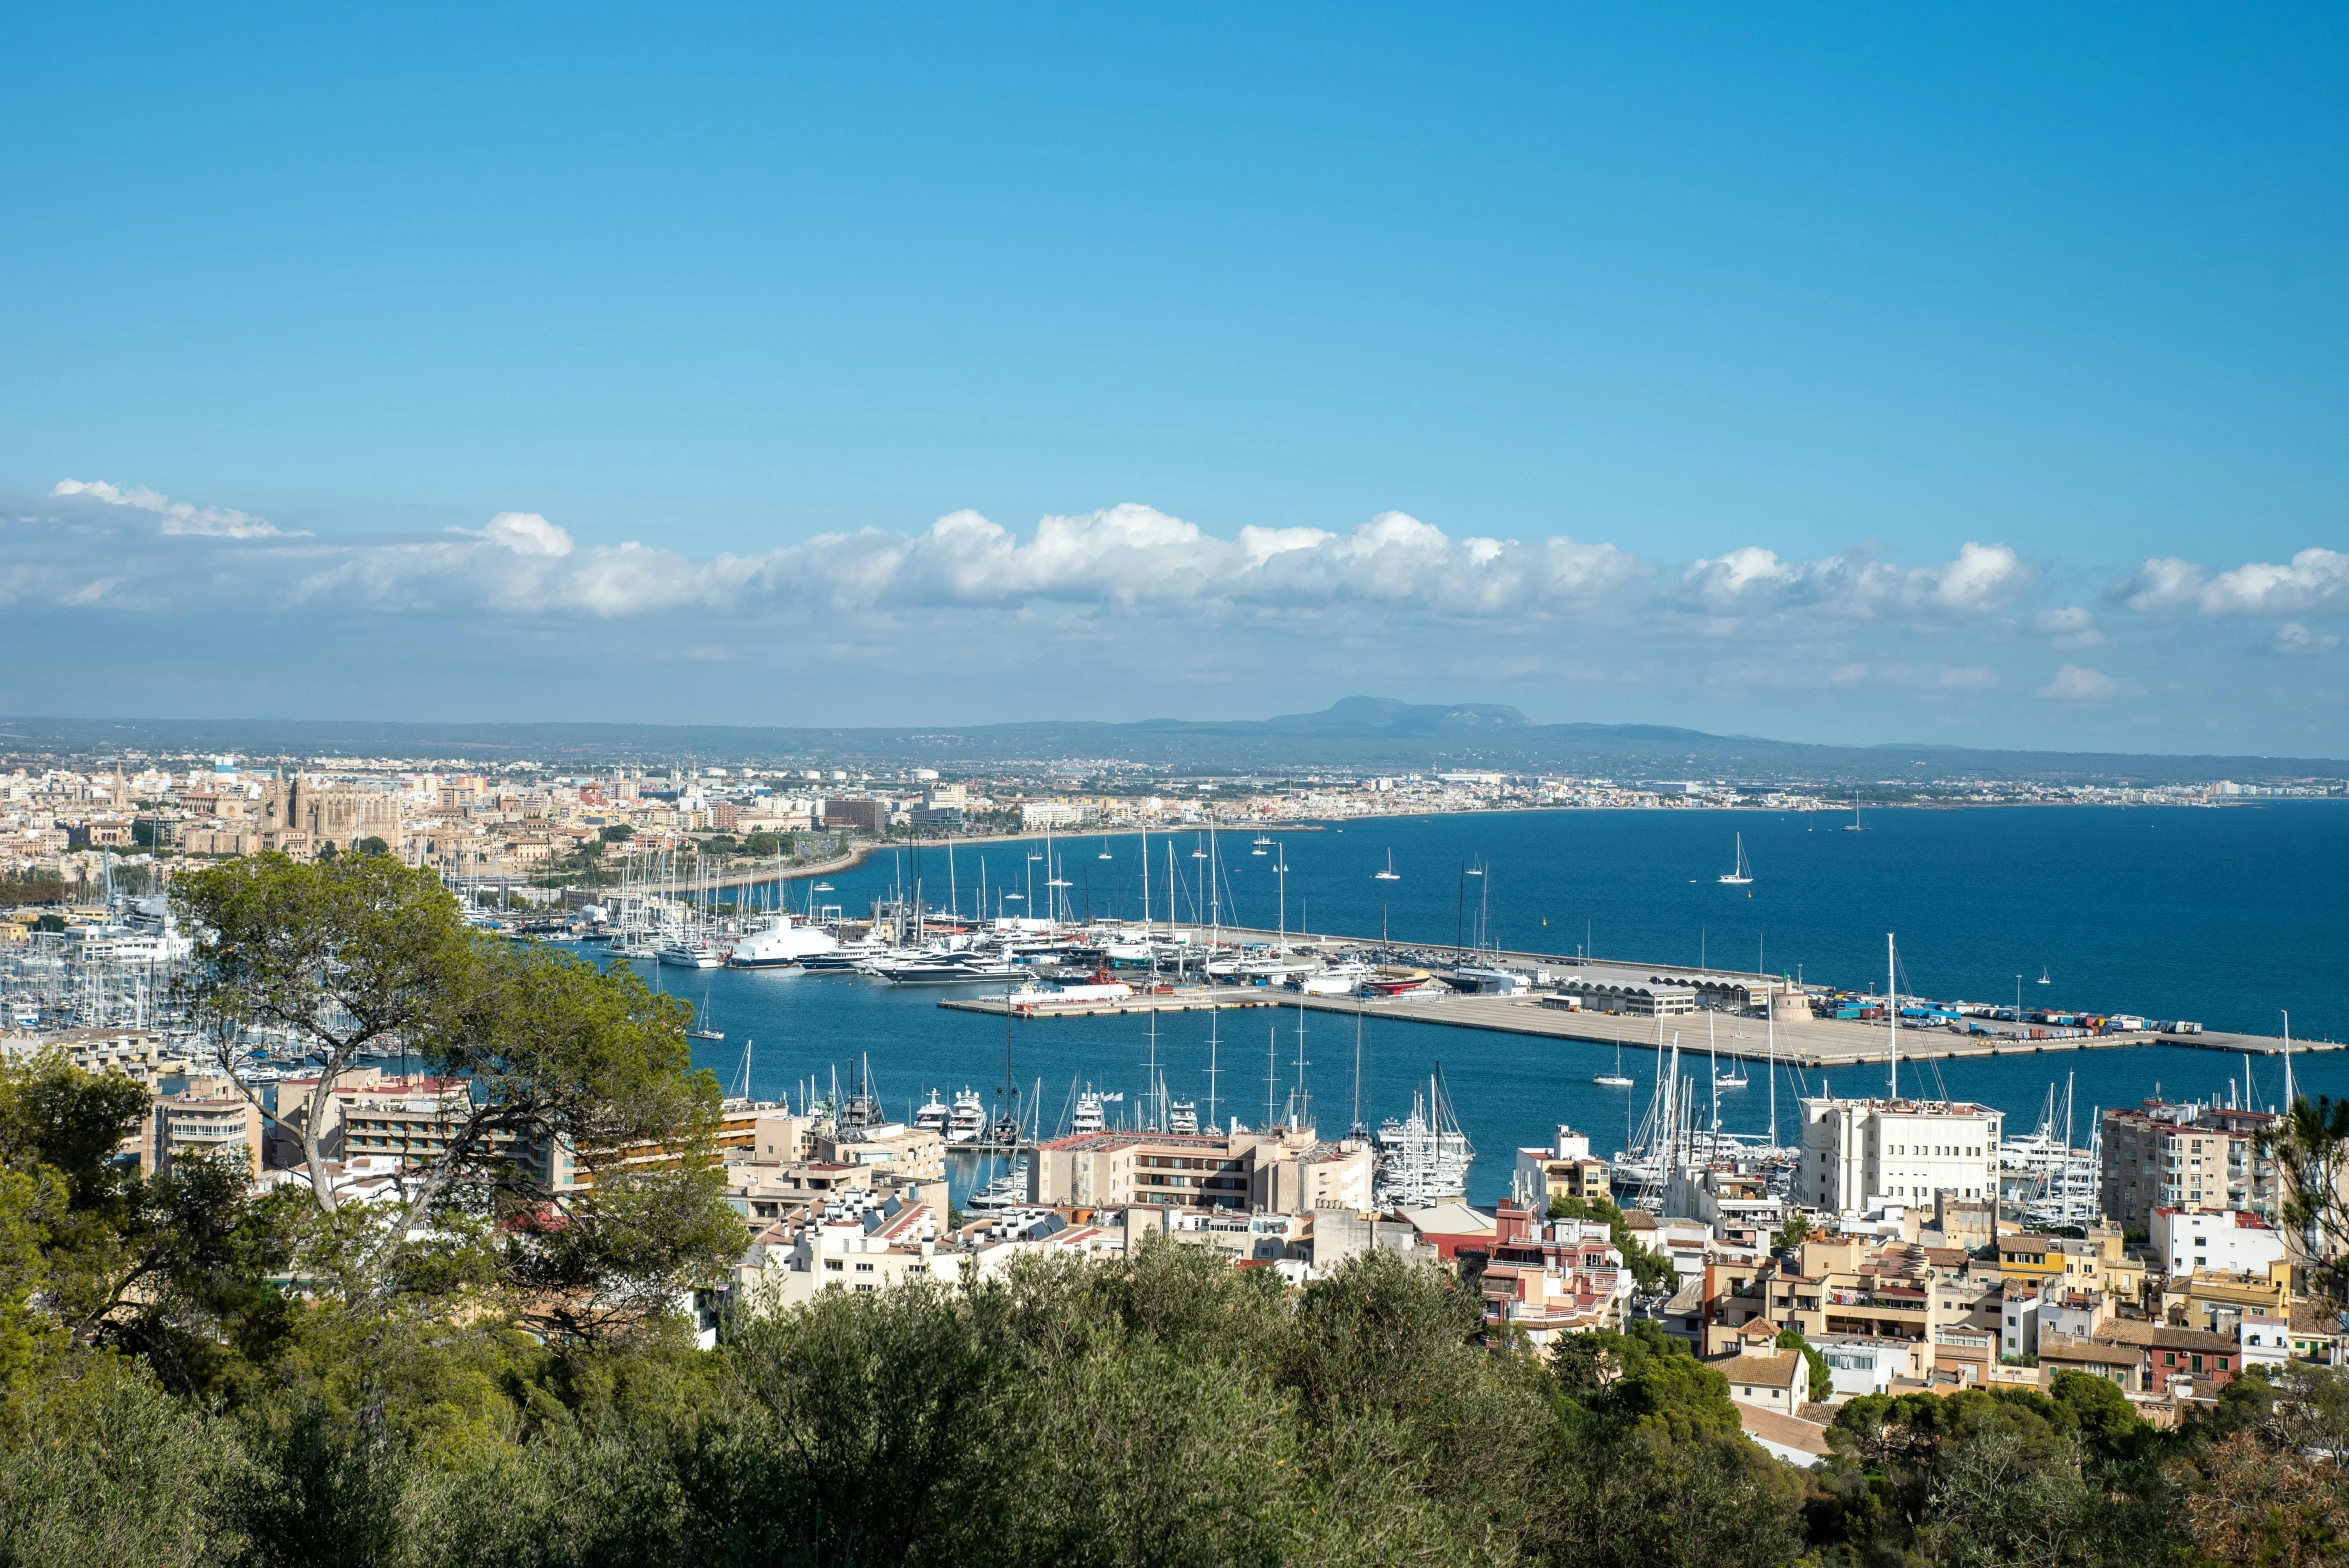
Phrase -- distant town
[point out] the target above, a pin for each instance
(550, 822)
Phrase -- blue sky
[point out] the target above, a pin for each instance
(1864, 373)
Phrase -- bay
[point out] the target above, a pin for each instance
(2224, 916)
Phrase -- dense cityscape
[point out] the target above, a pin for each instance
(1878, 1260)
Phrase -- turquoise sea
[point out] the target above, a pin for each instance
(2223, 916)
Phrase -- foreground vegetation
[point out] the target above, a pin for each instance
(485, 1368)
(1165, 1409)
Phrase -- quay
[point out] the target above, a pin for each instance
(1811, 1044)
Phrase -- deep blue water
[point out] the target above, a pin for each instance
(2221, 916)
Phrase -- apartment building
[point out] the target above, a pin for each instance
(1284, 1172)
(1551, 1277)
(210, 1117)
(1566, 1169)
(2097, 1261)
(2164, 1155)
(872, 1251)
(1863, 1154)
(2226, 1241)
(1840, 1288)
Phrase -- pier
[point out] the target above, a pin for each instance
(1810, 1044)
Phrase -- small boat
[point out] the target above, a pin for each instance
(1735, 1078)
(1855, 825)
(1744, 873)
(701, 1029)
(1262, 844)
(1105, 854)
(1617, 1078)
(2043, 979)
(1006, 1191)
(1390, 874)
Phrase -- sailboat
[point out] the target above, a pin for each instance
(1745, 871)
(1732, 1079)
(1855, 825)
(1262, 844)
(1390, 874)
(1105, 854)
(701, 1029)
(2043, 979)
(1615, 1079)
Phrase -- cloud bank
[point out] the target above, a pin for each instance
(1130, 587)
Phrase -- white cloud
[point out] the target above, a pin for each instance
(215, 522)
(2292, 637)
(2315, 580)
(2069, 627)
(2073, 683)
(525, 533)
(1753, 581)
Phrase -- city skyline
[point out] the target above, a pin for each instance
(1949, 380)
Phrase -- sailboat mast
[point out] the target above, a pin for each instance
(1213, 1013)
(1892, 1010)
(1357, 1062)
(2287, 1061)
(1770, 1034)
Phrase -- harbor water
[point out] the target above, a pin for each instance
(2222, 916)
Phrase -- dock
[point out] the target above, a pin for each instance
(1812, 1044)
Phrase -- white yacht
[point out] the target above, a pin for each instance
(1006, 1191)
(967, 1122)
(931, 1117)
(782, 943)
(1182, 1117)
(1087, 1117)
(689, 952)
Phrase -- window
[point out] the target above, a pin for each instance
(833, 1264)
(864, 1268)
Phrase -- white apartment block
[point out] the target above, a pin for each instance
(1862, 1154)
(2225, 1241)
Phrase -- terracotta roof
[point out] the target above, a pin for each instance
(2087, 1352)
(1774, 1371)
(2161, 1336)
(2315, 1317)
(1806, 1436)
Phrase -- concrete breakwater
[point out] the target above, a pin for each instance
(1810, 1044)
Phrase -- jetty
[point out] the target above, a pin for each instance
(1812, 1043)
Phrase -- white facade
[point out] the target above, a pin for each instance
(2018, 1329)
(1860, 1153)
(1862, 1366)
(2266, 1341)
(2223, 1241)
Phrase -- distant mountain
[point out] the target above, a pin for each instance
(1386, 716)
(1358, 734)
